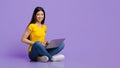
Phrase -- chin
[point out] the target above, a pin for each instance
(39, 20)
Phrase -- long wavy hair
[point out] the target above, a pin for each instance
(33, 19)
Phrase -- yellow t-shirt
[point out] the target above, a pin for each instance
(37, 33)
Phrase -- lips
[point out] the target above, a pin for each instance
(40, 19)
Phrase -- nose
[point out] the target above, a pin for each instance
(40, 16)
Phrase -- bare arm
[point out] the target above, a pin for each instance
(25, 36)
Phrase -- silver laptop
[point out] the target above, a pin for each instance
(55, 43)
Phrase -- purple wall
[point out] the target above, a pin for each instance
(91, 27)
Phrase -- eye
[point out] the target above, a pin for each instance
(42, 14)
(37, 14)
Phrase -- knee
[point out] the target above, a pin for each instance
(62, 46)
(37, 44)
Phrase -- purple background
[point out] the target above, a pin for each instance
(91, 29)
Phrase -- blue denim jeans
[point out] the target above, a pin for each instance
(39, 50)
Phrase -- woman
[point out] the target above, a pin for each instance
(34, 36)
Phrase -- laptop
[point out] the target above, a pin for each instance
(55, 43)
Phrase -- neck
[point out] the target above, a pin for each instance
(38, 23)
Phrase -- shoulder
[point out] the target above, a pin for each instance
(31, 25)
(44, 26)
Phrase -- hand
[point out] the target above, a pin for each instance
(46, 43)
(32, 42)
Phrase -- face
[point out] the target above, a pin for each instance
(39, 16)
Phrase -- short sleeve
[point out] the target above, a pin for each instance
(30, 27)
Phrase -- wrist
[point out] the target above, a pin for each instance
(32, 42)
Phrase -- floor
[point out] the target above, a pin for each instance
(82, 57)
(23, 62)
